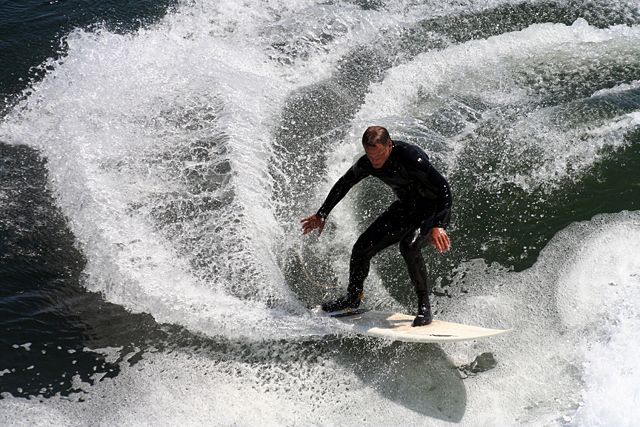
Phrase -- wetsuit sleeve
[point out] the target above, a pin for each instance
(432, 179)
(445, 198)
(354, 175)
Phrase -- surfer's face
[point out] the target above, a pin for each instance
(378, 153)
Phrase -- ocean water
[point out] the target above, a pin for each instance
(156, 159)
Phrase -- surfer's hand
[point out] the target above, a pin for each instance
(440, 239)
(311, 223)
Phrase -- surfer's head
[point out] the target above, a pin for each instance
(377, 144)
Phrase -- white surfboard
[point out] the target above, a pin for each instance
(397, 327)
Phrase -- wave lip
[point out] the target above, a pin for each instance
(157, 145)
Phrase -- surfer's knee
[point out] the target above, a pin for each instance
(362, 250)
(410, 245)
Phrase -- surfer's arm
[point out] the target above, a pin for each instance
(423, 171)
(444, 199)
(316, 221)
(340, 189)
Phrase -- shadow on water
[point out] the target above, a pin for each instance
(49, 323)
(419, 377)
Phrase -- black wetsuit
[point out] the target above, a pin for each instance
(424, 201)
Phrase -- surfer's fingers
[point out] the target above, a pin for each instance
(436, 243)
(307, 219)
(442, 242)
(311, 223)
(447, 241)
(307, 228)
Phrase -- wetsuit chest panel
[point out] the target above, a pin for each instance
(396, 174)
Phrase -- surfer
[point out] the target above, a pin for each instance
(419, 216)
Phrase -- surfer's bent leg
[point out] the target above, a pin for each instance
(411, 249)
(385, 231)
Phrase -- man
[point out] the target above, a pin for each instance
(420, 215)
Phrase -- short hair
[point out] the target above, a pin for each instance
(375, 135)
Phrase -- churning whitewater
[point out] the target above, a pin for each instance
(183, 155)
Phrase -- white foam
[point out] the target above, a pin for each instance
(574, 338)
(121, 120)
(106, 153)
(193, 390)
(618, 89)
(604, 275)
(599, 297)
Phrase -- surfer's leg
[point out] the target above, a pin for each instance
(385, 231)
(411, 249)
